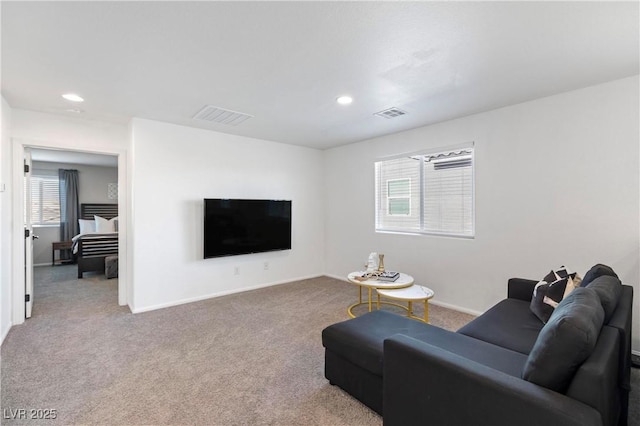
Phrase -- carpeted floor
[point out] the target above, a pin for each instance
(249, 358)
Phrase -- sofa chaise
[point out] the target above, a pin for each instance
(505, 367)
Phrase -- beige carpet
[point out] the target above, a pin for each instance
(249, 358)
(252, 358)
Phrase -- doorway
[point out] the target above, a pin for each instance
(54, 263)
(72, 158)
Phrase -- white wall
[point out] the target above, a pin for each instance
(60, 131)
(93, 182)
(174, 169)
(557, 182)
(5, 221)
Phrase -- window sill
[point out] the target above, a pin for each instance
(46, 226)
(425, 234)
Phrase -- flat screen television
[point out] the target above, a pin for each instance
(233, 226)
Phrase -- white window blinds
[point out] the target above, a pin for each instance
(45, 199)
(430, 193)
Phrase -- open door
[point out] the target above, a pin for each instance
(28, 236)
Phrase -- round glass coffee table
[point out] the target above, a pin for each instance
(370, 284)
(414, 293)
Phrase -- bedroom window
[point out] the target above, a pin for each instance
(426, 193)
(45, 199)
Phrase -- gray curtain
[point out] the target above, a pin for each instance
(69, 208)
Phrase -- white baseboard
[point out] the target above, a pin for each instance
(337, 277)
(432, 301)
(455, 307)
(42, 264)
(218, 294)
(5, 333)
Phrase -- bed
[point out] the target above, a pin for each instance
(92, 248)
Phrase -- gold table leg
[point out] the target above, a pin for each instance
(369, 288)
(410, 309)
(426, 310)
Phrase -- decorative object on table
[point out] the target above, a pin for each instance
(372, 263)
(389, 276)
(381, 263)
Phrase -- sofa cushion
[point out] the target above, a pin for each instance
(361, 340)
(608, 289)
(565, 341)
(597, 271)
(509, 324)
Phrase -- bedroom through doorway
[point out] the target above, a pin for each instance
(69, 248)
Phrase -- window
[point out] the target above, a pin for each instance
(45, 199)
(426, 193)
(399, 197)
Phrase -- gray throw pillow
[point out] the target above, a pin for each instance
(566, 341)
(609, 290)
(596, 271)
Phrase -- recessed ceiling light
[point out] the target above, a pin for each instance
(344, 100)
(72, 97)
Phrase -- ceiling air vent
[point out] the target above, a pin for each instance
(390, 113)
(215, 114)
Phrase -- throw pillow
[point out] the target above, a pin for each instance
(596, 271)
(546, 297)
(564, 272)
(551, 290)
(104, 226)
(87, 226)
(609, 290)
(566, 341)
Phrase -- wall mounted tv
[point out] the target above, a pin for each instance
(233, 226)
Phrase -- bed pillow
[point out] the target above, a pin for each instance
(104, 226)
(87, 226)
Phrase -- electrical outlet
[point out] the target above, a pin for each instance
(266, 266)
(236, 270)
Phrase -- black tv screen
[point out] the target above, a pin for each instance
(233, 226)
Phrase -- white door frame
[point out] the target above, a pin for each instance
(27, 205)
(125, 289)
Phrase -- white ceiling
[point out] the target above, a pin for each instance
(284, 63)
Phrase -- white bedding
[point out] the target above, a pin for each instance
(74, 240)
